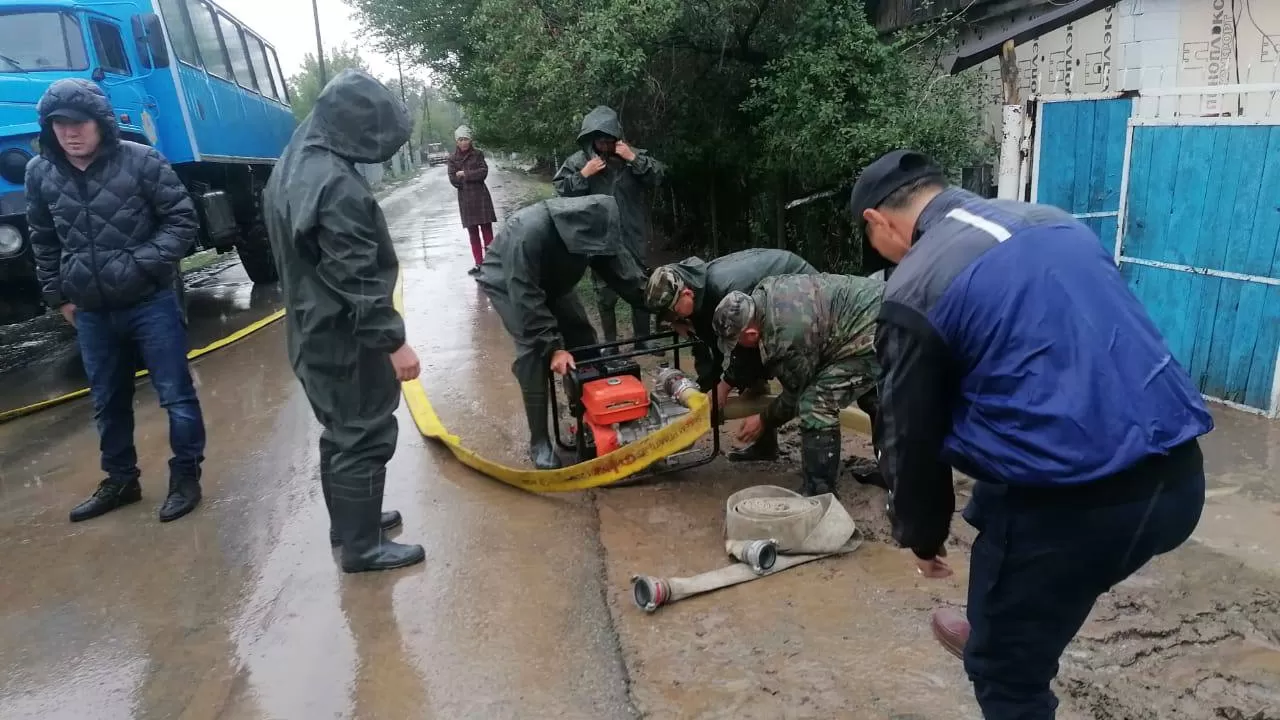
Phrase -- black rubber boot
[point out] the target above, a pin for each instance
(820, 452)
(184, 496)
(764, 449)
(609, 323)
(357, 513)
(111, 494)
(541, 450)
(642, 325)
(867, 472)
(390, 521)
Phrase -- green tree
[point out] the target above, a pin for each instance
(305, 85)
(750, 102)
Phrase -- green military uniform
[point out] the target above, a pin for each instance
(530, 274)
(817, 336)
(337, 269)
(626, 182)
(710, 282)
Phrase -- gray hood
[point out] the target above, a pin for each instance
(588, 225)
(358, 119)
(603, 120)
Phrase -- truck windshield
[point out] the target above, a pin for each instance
(45, 40)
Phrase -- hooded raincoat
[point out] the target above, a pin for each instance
(533, 267)
(710, 283)
(626, 182)
(338, 269)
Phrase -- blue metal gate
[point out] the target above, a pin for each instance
(1197, 204)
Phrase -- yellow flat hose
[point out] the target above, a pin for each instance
(236, 336)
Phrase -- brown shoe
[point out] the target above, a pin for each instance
(951, 630)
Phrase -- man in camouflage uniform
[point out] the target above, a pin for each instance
(815, 334)
(686, 295)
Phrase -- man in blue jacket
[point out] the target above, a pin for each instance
(110, 222)
(1013, 351)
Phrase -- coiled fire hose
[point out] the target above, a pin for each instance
(768, 529)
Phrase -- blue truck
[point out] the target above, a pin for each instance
(184, 76)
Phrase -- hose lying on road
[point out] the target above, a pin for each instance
(218, 344)
(768, 529)
(597, 472)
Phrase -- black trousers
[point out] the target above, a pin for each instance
(1043, 557)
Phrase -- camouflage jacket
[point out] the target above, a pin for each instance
(809, 322)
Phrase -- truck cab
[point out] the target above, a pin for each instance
(183, 76)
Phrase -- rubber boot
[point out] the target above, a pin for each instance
(609, 327)
(820, 453)
(541, 450)
(641, 323)
(390, 519)
(357, 513)
(764, 449)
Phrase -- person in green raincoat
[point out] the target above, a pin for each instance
(531, 273)
(608, 165)
(346, 341)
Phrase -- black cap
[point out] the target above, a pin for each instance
(881, 178)
(69, 113)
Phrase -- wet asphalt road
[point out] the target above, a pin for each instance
(522, 609)
(39, 359)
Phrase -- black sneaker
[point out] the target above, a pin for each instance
(184, 496)
(111, 494)
(473, 272)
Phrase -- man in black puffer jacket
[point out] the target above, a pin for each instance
(110, 222)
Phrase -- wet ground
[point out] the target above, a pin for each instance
(39, 359)
(523, 608)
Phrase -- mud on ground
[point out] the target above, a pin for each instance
(1196, 634)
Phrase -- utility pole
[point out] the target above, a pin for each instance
(324, 75)
(426, 119)
(404, 98)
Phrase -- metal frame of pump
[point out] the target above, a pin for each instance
(602, 359)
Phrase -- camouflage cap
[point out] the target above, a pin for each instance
(732, 316)
(664, 287)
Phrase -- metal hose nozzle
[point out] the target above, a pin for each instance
(759, 554)
(649, 593)
(676, 384)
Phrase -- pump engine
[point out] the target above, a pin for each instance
(611, 406)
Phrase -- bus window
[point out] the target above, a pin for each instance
(275, 68)
(258, 56)
(239, 55)
(175, 21)
(215, 60)
(41, 40)
(111, 55)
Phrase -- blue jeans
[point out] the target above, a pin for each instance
(109, 340)
(1040, 563)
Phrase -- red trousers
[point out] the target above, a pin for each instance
(477, 250)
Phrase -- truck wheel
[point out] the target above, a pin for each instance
(255, 256)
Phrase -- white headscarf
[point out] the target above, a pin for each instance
(462, 132)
